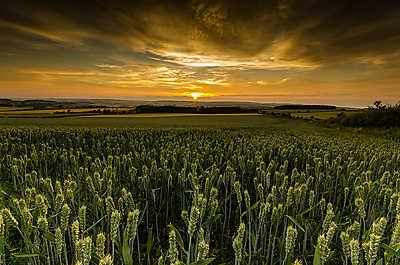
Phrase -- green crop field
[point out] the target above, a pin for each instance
(196, 189)
(152, 121)
(321, 115)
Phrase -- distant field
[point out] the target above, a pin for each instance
(162, 121)
(322, 115)
(2, 109)
(161, 115)
(16, 112)
(11, 111)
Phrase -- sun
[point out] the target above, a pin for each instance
(196, 95)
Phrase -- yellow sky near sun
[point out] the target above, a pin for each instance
(289, 90)
(212, 50)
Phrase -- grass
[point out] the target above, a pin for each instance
(175, 171)
(321, 115)
(270, 185)
(181, 121)
(232, 121)
(144, 121)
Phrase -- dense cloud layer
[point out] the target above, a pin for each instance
(306, 31)
(274, 35)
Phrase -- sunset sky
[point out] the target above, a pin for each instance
(311, 51)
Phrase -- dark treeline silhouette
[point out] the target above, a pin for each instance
(164, 109)
(116, 111)
(39, 104)
(199, 110)
(216, 110)
(378, 115)
(102, 110)
(34, 103)
(304, 107)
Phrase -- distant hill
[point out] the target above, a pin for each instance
(305, 107)
(180, 103)
(6, 102)
(34, 103)
(242, 104)
(93, 103)
(198, 110)
(82, 103)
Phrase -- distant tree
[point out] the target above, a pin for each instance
(377, 115)
(378, 104)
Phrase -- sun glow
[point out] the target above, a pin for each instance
(196, 95)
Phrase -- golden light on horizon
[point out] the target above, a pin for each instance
(196, 95)
(209, 50)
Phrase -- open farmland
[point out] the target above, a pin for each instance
(153, 121)
(6, 109)
(322, 115)
(200, 132)
(197, 196)
(316, 115)
(20, 112)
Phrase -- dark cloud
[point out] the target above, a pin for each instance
(308, 30)
(255, 49)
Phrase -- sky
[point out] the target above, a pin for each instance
(342, 52)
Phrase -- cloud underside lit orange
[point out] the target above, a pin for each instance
(288, 51)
